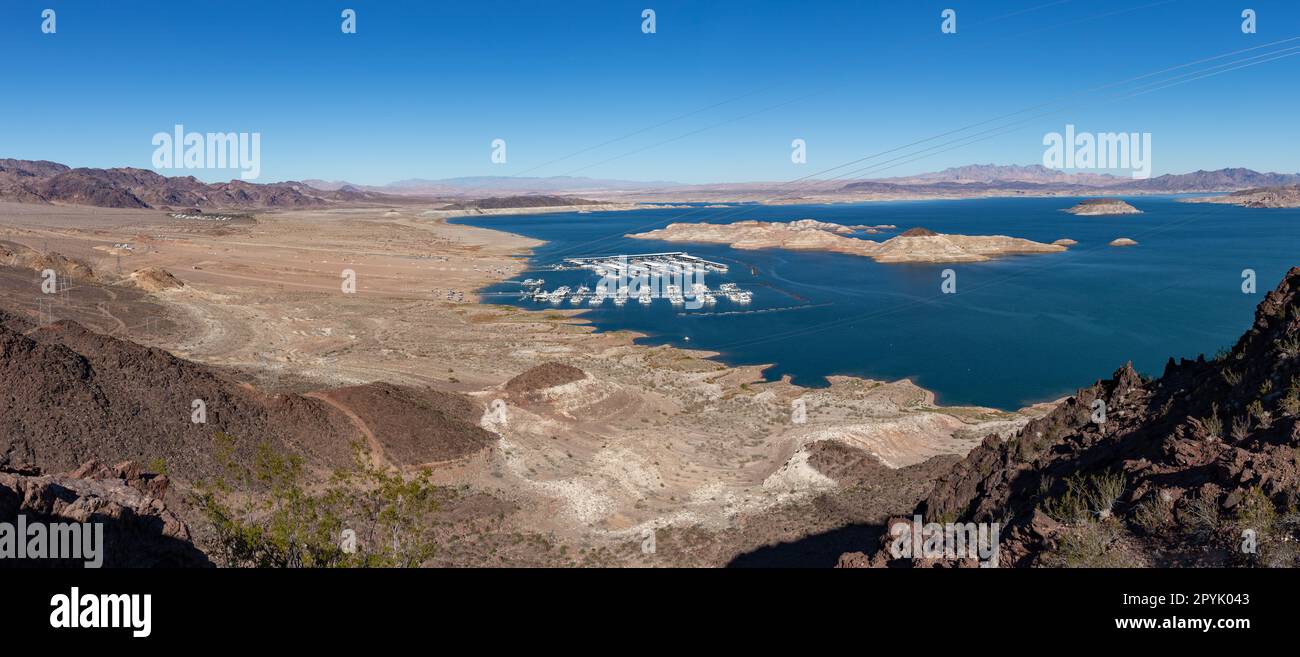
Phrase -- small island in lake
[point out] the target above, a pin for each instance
(913, 245)
(1123, 241)
(1102, 206)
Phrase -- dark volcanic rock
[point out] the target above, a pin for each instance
(546, 375)
(69, 395)
(917, 232)
(418, 426)
(127, 187)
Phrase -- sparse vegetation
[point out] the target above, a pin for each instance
(1212, 426)
(1289, 347)
(1202, 514)
(1091, 544)
(269, 515)
(1262, 417)
(1241, 428)
(1153, 513)
(1232, 378)
(1290, 403)
(1086, 497)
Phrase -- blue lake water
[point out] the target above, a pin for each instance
(1018, 330)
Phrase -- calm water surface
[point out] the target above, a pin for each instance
(1019, 329)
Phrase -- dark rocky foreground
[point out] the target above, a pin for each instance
(139, 531)
(27, 181)
(1198, 467)
(69, 395)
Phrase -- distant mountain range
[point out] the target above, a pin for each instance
(1027, 178)
(497, 185)
(28, 181)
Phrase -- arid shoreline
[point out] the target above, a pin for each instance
(652, 438)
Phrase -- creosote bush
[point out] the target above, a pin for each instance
(268, 515)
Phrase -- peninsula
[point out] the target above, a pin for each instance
(913, 245)
(1262, 197)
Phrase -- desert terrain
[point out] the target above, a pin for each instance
(595, 442)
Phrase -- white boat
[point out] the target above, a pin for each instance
(579, 295)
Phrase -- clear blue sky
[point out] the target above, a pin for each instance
(423, 87)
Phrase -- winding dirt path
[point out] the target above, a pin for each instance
(376, 448)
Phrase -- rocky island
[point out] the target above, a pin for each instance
(913, 245)
(1260, 197)
(1102, 206)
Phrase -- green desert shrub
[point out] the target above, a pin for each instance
(269, 515)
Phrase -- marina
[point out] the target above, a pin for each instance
(675, 276)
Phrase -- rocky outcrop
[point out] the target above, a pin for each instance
(126, 187)
(1123, 241)
(546, 375)
(154, 279)
(69, 395)
(1102, 206)
(416, 426)
(1186, 469)
(139, 530)
(16, 255)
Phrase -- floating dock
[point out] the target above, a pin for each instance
(647, 261)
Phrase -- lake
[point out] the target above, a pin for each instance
(1018, 330)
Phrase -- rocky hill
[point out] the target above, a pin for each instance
(69, 395)
(525, 201)
(1198, 467)
(27, 181)
(1220, 180)
(1263, 197)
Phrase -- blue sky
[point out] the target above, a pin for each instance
(424, 87)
